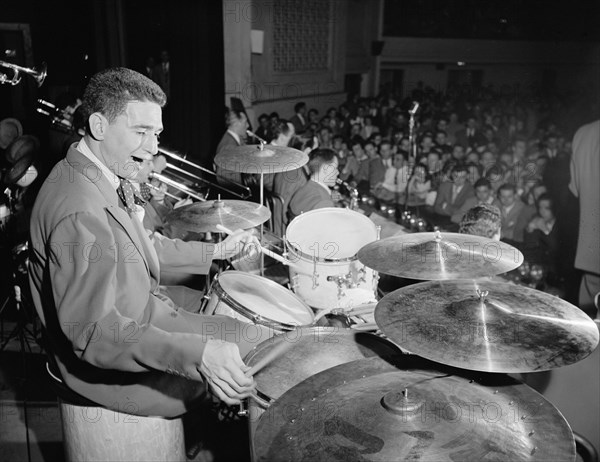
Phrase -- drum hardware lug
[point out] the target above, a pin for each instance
(341, 280)
(315, 276)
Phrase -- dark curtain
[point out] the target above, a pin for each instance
(192, 33)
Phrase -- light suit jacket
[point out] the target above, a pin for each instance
(94, 276)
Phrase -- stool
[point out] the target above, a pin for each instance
(99, 434)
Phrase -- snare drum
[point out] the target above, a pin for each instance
(325, 272)
(255, 300)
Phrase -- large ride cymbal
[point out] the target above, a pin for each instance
(486, 326)
(405, 408)
(204, 217)
(438, 256)
(258, 159)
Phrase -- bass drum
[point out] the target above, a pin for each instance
(325, 271)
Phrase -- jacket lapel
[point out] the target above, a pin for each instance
(87, 168)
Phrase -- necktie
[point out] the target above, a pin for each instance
(128, 196)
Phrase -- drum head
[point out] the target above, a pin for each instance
(266, 298)
(330, 233)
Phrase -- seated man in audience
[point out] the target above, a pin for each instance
(393, 187)
(379, 164)
(316, 193)
(453, 194)
(484, 194)
(515, 214)
(299, 119)
(356, 170)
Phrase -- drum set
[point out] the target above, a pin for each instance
(430, 380)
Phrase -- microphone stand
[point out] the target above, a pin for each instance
(412, 155)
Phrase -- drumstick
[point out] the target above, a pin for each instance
(273, 255)
(275, 352)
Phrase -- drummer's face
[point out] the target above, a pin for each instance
(132, 138)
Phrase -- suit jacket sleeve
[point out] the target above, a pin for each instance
(112, 321)
(441, 198)
(182, 257)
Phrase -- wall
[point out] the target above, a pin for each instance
(502, 61)
(259, 80)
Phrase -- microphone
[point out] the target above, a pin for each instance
(414, 108)
(341, 182)
(249, 133)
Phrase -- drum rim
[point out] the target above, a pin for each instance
(294, 248)
(254, 317)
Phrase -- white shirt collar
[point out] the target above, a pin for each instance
(84, 149)
(235, 137)
(114, 180)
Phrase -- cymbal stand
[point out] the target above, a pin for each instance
(21, 332)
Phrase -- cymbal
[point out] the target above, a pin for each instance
(486, 326)
(205, 216)
(315, 349)
(251, 158)
(404, 408)
(437, 256)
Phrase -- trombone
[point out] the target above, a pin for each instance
(38, 74)
(244, 192)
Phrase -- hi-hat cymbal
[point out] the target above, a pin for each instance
(437, 256)
(405, 408)
(486, 326)
(265, 159)
(205, 216)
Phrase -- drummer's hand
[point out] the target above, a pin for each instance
(224, 370)
(240, 242)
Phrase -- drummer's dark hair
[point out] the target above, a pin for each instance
(482, 220)
(109, 91)
(320, 157)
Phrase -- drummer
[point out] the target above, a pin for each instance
(112, 336)
(316, 193)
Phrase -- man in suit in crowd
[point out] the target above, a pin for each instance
(237, 124)
(470, 136)
(452, 195)
(515, 214)
(299, 118)
(484, 194)
(113, 335)
(316, 193)
(380, 164)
